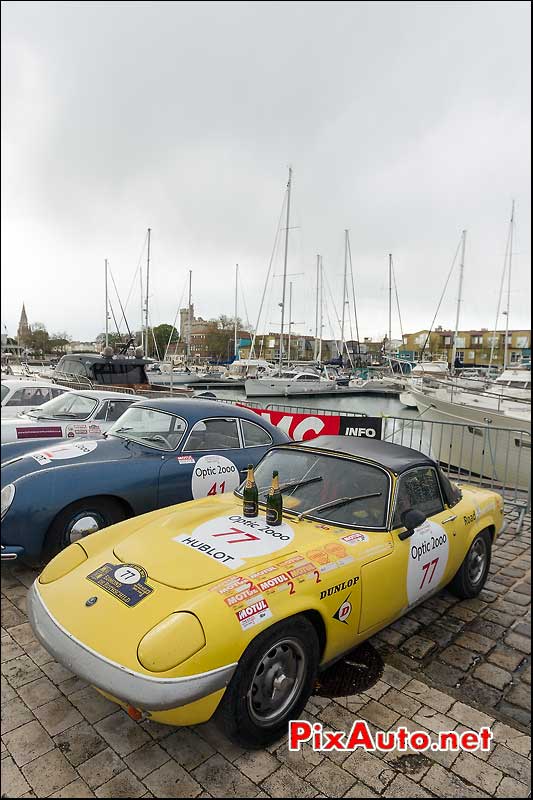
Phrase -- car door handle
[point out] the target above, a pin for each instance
(449, 519)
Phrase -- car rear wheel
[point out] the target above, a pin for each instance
(271, 684)
(472, 574)
(80, 519)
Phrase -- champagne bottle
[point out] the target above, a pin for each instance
(274, 503)
(250, 495)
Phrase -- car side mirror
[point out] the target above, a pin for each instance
(411, 519)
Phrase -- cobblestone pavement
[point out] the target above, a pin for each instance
(449, 665)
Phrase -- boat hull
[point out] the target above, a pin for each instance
(495, 446)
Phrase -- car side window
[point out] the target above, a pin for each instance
(116, 409)
(219, 433)
(102, 411)
(418, 489)
(26, 397)
(254, 435)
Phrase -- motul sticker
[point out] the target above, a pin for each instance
(186, 460)
(355, 538)
(244, 593)
(253, 614)
(273, 583)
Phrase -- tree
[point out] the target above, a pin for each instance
(219, 337)
(39, 339)
(59, 342)
(116, 341)
(161, 334)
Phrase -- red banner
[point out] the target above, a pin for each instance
(301, 427)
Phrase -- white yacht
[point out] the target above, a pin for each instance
(496, 433)
(289, 383)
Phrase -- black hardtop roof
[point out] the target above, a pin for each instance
(100, 359)
(394, 457)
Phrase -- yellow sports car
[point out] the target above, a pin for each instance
(197, 609)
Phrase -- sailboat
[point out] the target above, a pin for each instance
(490, 419)
(286, 381)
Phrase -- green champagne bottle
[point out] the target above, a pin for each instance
(250, 495)
(274, 503)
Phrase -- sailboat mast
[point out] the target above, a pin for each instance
(146, 338)
(344, 289)
(459, 300)
(142, 307)
(321, 310)
(390, 301)
(285, 269)
(106, 309)
(235, 320)
(506, 346)
(290, 324)
(315, 349)
(189, 318)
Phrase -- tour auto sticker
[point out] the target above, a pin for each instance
(428, 556)
(64, 451)
(214, 475)
(231, 540)
(126, 582)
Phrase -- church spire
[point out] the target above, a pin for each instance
(23, 331)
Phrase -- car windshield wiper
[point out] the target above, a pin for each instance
(340, 501)
(295, 484)
(121, 430)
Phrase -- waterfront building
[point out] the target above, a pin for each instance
(473, 346)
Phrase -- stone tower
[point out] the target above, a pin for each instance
(23, 330)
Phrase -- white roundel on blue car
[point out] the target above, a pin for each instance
(62, 452)
(214, 475)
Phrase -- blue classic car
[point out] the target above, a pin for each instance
(160, 452)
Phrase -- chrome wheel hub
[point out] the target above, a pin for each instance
(477, 560)
(277, 682)
(83, 525)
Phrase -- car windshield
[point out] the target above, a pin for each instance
(5, 391)
(311, 481)
(149, 427)
(68, 405)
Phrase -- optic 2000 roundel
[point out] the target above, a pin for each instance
(231, 540)
(214, 475)
(428, 557)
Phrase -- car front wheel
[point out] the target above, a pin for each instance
(271, 684)
(472, 574)
(80, 519)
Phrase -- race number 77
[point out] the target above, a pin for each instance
(431, 565)
(246, 536)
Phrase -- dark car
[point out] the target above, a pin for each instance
(160, 452)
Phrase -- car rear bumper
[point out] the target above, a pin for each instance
(140, 690)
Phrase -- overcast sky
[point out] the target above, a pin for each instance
(403, 122)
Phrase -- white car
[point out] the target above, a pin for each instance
(75, 414)
(20, 394)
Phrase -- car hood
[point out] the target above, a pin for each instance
(47, 455)
(203, 541)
